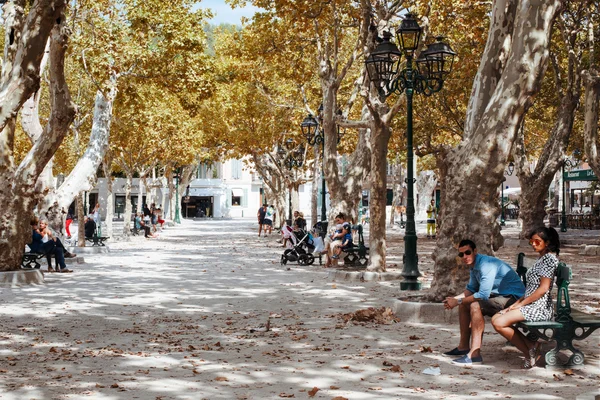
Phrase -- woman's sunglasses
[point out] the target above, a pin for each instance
(466, 253)
(535, 242)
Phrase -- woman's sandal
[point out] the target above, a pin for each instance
(527, 364)
(51, 269)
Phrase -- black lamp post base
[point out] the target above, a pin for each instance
(410, 285)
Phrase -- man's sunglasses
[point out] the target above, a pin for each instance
(466, 253)
(535, 242)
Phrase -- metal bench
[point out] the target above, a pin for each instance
(357, 254)
(97, 240)
(568, 324)
(30, 260)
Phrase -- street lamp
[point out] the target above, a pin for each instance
(425, 77)
(569, 163)
(177, 219)
(293, 158)
(314, 136)
(509, 171)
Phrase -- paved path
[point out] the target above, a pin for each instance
(184, 317)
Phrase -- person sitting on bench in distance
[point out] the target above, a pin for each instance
(47, 235)
(346, 242)
(493, 286)
(89, 226)
(49, 248)
(536, 304)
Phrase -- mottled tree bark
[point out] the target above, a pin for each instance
(380, 136)
(26, 38)
(535, 184)
(591, 110)
(517, 48)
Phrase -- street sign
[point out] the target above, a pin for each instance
(580, 175)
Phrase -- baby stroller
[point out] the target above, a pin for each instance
(302, 249)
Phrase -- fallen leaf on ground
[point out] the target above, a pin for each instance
(221, 379)
(313, 391)
(287, 396)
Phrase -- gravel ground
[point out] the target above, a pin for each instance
(207, 312)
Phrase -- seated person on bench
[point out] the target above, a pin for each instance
(536, 304)
(493, 286)
(89, 227)
(140, 223)
(346, 242)
(49, 248)
(47, 235)
(336, 238)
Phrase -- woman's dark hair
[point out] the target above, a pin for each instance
(341, 216)
(548, 235)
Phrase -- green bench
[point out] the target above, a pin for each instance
(357, 254)
(568, 324)
(97, 240)
(30, 260)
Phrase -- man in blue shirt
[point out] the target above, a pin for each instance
(493, 285)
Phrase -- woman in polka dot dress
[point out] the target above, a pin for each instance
(536, 305)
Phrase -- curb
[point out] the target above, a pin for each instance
(15, 279)
(362, 276)
(409, 311)
(89, 250)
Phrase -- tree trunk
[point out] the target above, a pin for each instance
(590, 129)
(110, 206)
(80, 220)
(476, 166)
(20, 78)
(534, 185)
(398, 189)
(128, 208)
(315, 188)
(140, 196)
(380, 137)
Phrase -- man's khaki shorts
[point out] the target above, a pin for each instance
(495, 304)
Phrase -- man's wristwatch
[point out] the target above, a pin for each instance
(459, 301)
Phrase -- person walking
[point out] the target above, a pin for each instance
(536, 304)
(262, 212)
(68, 222)
(493, 286)
(431, 217)
(268, 221)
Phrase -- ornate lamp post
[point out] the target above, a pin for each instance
(569, 163)
(509, 171)
(177, 219)
(292, 158)
(314, 134)
(425, 76)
